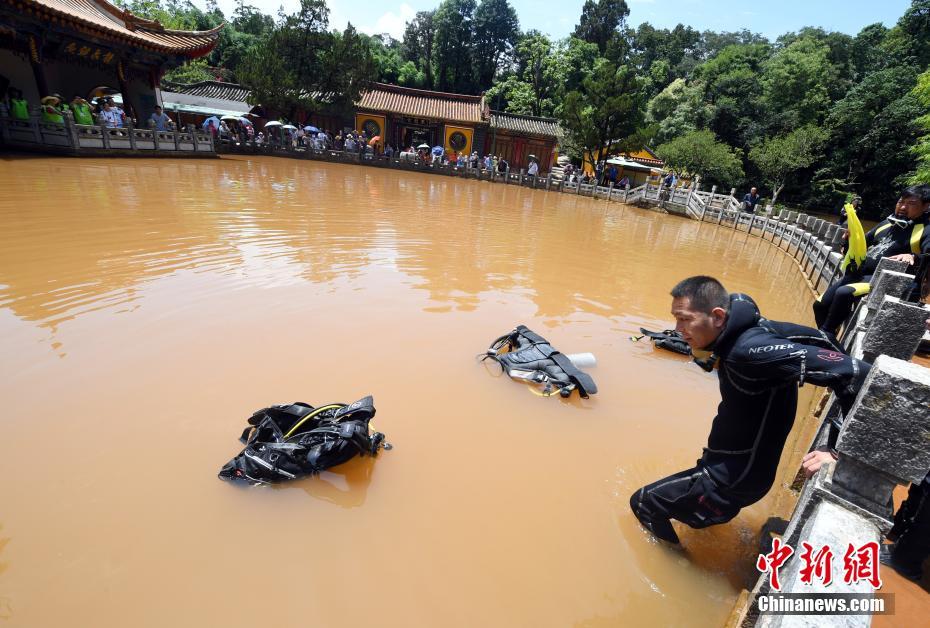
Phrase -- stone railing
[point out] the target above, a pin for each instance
(815, 243)
(35, 134)
(883, 442)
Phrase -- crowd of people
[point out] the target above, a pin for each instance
(103, 111)
(360, 142)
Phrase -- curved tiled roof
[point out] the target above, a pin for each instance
(530, 125)
(209, 89)
(419, 103)
(102, 19)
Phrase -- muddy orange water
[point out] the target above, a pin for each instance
(147, 307)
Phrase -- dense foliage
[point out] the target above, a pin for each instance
(809, 118)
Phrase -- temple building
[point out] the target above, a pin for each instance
(515, 138)
(405, 117)
(71, 47)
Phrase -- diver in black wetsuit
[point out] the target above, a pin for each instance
(902, 236)
(761, 364)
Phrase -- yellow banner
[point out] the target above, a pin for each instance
(371, 124)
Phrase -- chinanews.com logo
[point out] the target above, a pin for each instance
(860, 570)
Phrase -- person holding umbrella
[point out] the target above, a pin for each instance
(533, 168)
(271, 131)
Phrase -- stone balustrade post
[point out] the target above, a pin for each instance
(895, 330)
(888, 283)
(35, 119)
(887, 280)
(883, 441)
(71, 130)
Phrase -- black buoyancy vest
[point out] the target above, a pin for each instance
(888, 239)
(527, 351)
(285, 442)
(668, 339)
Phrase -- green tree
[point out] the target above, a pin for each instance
(908, 43)
(419, 44)
(249, 20)
(409, 75)
(607, 113)
(270, 81)
(534, 58)
(191, 72)
(349, 69)
(452, 54)
(779, 157)
(872, 129)
(922, 149)
(677, 50)
(497, 29)
(867, 55)
(601, 22)
(570, 62)
(731, 88)
(712, 43)
(700, 153)
(386, 54)
(676, 110)
(512, 95)
(795, 85)
(300, 37)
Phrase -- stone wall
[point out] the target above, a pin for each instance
(883, 442)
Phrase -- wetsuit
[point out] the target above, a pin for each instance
(761, 363)
(885, 240)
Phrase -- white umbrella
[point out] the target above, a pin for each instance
(272, 123)
(230, 118)
(423, 146)
(288, 126)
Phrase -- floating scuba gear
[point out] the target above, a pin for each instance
(673, 341)
(525, 355)
(668, 339)
(286, 442)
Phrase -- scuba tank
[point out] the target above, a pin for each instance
(525, 355)
(286, 442)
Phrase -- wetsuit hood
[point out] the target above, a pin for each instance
(743, 314)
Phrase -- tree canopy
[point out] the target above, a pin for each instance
(809, 117)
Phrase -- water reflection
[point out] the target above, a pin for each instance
(185, 294)
(345, 485)
(268, 223)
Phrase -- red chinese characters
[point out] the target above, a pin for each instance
(772, 561)
(861, 564)
(819, 565)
